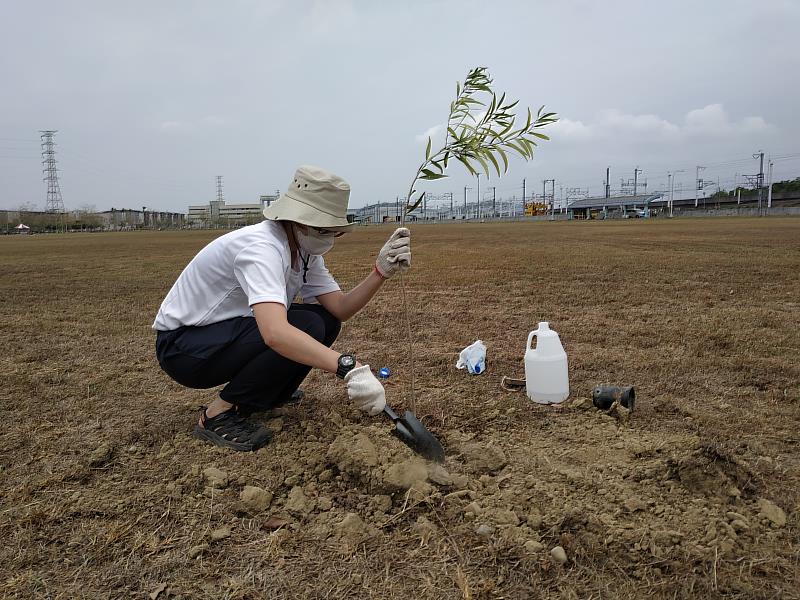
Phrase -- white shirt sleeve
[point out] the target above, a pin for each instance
(260, 271)
(318, 280)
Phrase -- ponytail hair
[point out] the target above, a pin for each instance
(287, 227)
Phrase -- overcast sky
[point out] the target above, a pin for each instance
(152, 100)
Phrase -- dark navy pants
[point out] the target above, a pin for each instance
(233, 352)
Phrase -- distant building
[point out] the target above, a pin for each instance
(220, 214)
(614, 206)
(266, 200)
(128, 218)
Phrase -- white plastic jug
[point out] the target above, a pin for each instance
(546, 378)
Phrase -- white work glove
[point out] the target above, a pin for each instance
(364, 389)
(396, 253)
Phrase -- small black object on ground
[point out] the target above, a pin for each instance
(603, 396)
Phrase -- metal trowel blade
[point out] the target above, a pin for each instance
(411, 432)
(424, 441)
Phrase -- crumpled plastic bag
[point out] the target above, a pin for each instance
(473, 358)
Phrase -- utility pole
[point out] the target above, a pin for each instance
(479, 195)
(523, 195)
(55, 204)
(760, 155)
(669, 192)
(698, 183)
(608, 183)
(636, 172)
(465, 202)
(769, 191)
(220, 197)
(494, 200)
(544, 193)
(672, 188)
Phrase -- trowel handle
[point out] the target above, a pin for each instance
(390, 413)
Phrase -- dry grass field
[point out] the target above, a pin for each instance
(695, 494)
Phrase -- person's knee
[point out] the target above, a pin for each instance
(317, 322)
(332, 326)
(314, 325)
(332, 329)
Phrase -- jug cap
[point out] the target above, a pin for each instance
(544, 326)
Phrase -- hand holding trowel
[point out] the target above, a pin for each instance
(368, 394)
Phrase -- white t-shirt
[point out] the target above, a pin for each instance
(235, 271)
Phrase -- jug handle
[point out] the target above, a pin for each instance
(530, 339)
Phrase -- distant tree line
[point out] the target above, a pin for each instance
(84, 218)
(779, 187)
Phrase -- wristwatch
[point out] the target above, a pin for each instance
(345, 364)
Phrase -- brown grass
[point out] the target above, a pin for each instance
(702, 316)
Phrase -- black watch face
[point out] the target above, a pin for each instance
(346, 361)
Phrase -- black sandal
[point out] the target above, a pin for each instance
(231, 430)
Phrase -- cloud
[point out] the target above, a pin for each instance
(431, 132)
(711, 121)
(645, 126)
(436, 132)
(569, 129)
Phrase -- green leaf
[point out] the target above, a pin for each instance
(431, 176)
(540, 135)
(484, 164)
(417, 202)
(502, 154)
(528, 145)
(428, 149)
(518, 149)
(491, 157)
(464, 162)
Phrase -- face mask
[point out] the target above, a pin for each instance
(313, 243)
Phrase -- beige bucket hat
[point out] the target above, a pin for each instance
(316, 198)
